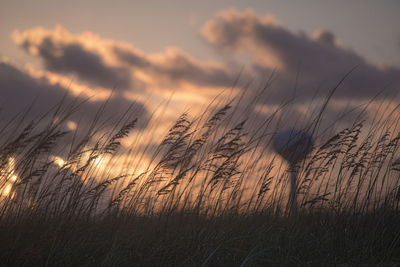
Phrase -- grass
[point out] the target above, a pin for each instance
(209, 194)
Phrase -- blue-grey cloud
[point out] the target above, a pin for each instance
(109, 63)
(317, 61)
(20, 90)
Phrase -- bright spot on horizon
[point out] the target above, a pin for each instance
(9, 176)
(99, 162)
(7, 189)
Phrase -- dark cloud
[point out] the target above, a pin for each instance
(318, 61)
(110, 64)
(73, 58)
(314, 63)
(178, 66)
(19, 90)
(175, 66)
(132, 57)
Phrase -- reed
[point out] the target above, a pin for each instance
(212, 193)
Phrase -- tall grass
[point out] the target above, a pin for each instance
(210, 193)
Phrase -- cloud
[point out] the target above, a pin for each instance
(19, 90)
(22, 88)
(315, 63)
(108, 63)
(84, 56)
(318, 61)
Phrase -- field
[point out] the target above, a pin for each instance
(210, 193)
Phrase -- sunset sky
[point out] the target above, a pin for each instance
(207, 132)
(189, 51)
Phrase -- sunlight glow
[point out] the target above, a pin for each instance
(71, 125)
(8, 178)
(6, 190)
(58, 161)
(98, 162)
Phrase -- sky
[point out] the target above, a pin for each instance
(187, 52)
(369, 27)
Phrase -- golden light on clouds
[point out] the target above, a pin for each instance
(76, 89)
